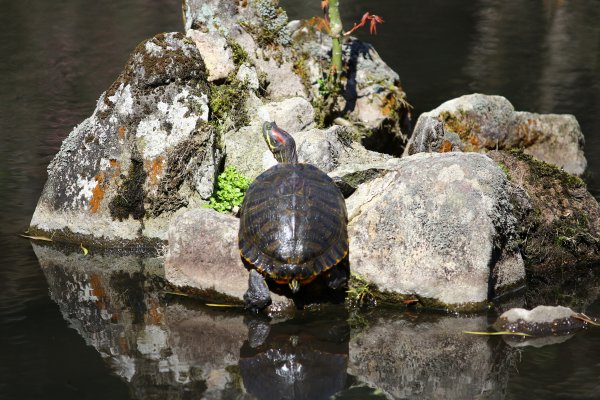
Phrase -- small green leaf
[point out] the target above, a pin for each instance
(231, 187)
(85, 251)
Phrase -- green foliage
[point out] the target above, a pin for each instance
(231, 187)
(239, 55)
(359, 291)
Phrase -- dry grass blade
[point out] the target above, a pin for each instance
(586, 319)
(44, 238)
(497, 333)
(177, 294)
(223, 305)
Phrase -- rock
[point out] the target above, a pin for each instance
(245, 146)
(560, 219)
(554, 138)
(248, 75)
(214, 15)
(331, 150)
(373, 96)
(480, 123)
(293, 114)
(144, 154)
(439, 227)
(215, 52)
(203, 256)
(541, 321)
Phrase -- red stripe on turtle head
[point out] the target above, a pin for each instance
(277, 134)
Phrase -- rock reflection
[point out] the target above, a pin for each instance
(173, 348)
(429, 357)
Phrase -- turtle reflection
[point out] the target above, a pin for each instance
(302, 358)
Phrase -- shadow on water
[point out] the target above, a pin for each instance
(173, 347)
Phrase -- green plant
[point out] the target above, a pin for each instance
(231, 187)
(332, 23)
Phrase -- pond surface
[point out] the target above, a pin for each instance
(101, 327)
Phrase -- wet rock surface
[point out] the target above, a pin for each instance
(540, 321)
(479, 122)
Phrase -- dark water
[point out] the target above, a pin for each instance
(80, 328)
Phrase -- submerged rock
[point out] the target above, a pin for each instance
(440, 227)
(144, 154)
(480, 123)
(541, 321)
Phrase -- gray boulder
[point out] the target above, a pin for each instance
(480, 123)
(144, 154)
(332, 150)
(440, 227)
(203, 256)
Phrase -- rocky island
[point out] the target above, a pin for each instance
(479, 200)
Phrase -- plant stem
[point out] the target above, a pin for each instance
(335, 24)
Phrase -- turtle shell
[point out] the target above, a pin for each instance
(293, 223)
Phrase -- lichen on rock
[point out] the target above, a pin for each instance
(481, 123)
(108, 172)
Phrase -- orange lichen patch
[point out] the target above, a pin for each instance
(446, 146)
(528, 132)
(97, 193)
(153, 316)
(123, 345)
(461, 124)
(97, 288)
(390, 104)
(154, 169)
(121, 132)
(475, 142)
(113, 163)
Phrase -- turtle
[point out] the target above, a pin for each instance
(293, 235)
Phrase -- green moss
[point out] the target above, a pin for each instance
(504, 169)
(238, 55)
(227, 102)
(130, 197)
(359, 291)
(231, 187)
(540, 169)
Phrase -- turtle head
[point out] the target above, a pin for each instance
(281, 143)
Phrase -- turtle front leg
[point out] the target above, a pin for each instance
(257, 297)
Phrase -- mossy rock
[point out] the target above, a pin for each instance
(562, 228)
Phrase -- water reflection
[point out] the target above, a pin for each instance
(170, 347)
